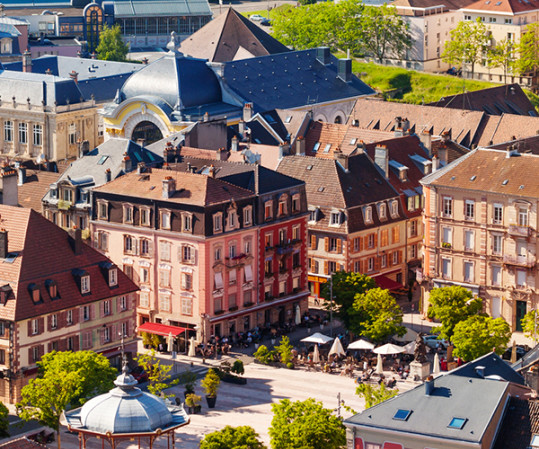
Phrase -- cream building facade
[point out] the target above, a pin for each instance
(481, 223)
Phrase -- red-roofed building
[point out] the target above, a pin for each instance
(56, 293)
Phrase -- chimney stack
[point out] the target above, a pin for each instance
(27, 61)
(300, 146)
(141, 168)
(206, 117)
(74, 76)
(381, 159)
(345, 70)
(426, 140)
(241, 127)
(442, 155)
(429, 385)
(126, 163)
(3, 244)
(84, 148)
(48, 72)
(480, 371)
(169, 187)
(247, 112)
(76, 243)
(323, 55)
(234, 144)
(341, 158)
(435, 164)
(108, 175)
(22, 176)
(145, 60)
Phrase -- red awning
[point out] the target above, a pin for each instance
(161, 329)
(387, 283)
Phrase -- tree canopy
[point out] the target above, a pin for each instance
(478, 335)
(346, 285)
(305, 425)
(530, 324)
(158, 373)
(451, 305)
(468, 44)
(111, 46)
(64, 379)
(378, 315)
(375, 394)
(242, 437)
(528, 49)
(4, 421)
(347, 25)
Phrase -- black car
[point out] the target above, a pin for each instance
(265, 22)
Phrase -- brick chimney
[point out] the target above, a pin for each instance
(3, 244)
(27, 61)
(76, 240)
(169, 187)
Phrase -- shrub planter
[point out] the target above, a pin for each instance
(211, 401)
(194, 410)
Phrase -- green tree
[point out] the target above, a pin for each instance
(242, 437)
(530, 324)
(4, 422)
(284, 349)
(346, 285)
(528, 49)
(478, 335)
(379, 315)
(451, 305)
(305, 425)
(158, 373)
(503, 55)
(375, 394)
(111, 46)
(383, 32)
(468, 44)
(64, 379)
(348, 27)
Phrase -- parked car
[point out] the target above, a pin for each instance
(139, 374)
(432, 340)
(257, 17)
(265, 22)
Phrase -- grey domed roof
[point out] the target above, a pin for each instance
(126, 409)
(180, 81)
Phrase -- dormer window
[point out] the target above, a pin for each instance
(54, 191)
(145, 217)
(283, 209)
(35, 294)
(367, 213)
(313, 215)
(67, 195)
(165, 220)
(52, 288)
(394, 209)
(85, 284)
(247, 216)
(232, 219)
(296, 203)
(382, 211)
(5, 292)
(268, 210)
(113, 277)
(217, 222)
(335, 218)
(187, 223)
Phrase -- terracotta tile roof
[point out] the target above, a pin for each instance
(491, 171)
(22, 443)
(199, 153)
(41, 251)
(451, 5)
(228, 37)
(191, 188)
(520, 423)
(35, 187)
(508, 99)
(454, 150)
(499, 129)
(328, 136)
(503, 6)
(463, 125)
(525, 145)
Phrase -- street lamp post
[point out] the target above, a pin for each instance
(203, 324)
(331, 305)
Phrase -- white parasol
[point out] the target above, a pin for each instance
(361, 344)
(436, 366)
(410, 335)
(337, 348)
(379, 365)
(317, 338)
(192, 351)
(170, 342)
(410, 348)
(388, 348)
(316, 355)
(298, 316)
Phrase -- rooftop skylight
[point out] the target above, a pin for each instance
(402, 415)
(316, 146)
(326, 149)
(102, 160)
(457, 423)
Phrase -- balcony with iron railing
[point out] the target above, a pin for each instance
(518, 230)
(527, 261)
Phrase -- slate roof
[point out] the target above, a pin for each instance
(463, 125)
(289, 80)
(520, 423)
(222, 39)
(252, 177)
(486, 170)
(191, 188)
(44, 251)
(87, 69)
(507, 99)
(39, 88)
(36, 185)
(492, 365)
(90, 170)
(474, 400)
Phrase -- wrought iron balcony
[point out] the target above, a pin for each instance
(519, 231)
(528, 261)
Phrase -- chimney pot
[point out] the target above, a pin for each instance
(234, 144)
(22, 176)
(3, 244)
(247, 112)
(74, 76)
(169, 187)
(429, 385)
(108, 175)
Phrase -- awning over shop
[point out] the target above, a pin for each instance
(387, 283)
(161, 329)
